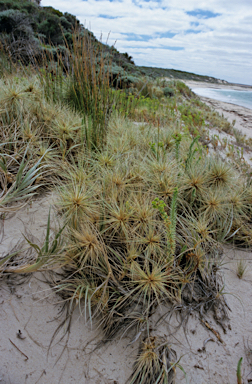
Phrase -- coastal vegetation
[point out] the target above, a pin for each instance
(144, 199)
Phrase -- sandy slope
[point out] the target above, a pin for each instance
(34, 310)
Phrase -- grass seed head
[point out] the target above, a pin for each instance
(220, 174)
(152, 282)
(215, 205)
(85, 246)
(194, 182)
(77, 203)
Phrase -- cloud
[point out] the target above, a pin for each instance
(213, 39)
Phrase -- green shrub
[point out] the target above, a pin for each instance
(183, 89)
(168, 92)
(15, 22)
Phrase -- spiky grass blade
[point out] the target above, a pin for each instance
(23, 187)
(238, 373)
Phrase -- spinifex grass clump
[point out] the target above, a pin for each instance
(21, 170)
(21, 186)
(143, 230)
(36, 139)
(143, 215)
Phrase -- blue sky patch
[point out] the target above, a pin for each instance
(156, 1)
(202, 14)
(191, 31)
(174, 48)
(138, 37)
(136, 3)
(108, 17)
(135, 37)
(164, 47)
(170, 35)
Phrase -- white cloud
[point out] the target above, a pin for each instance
(222, 48)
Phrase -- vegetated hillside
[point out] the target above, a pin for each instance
(27, 20)
(29, 29)
(181, 75)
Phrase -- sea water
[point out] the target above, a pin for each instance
(243, 98)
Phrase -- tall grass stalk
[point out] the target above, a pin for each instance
(89, 89)
(81, 77)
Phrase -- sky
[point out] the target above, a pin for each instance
(206, 37)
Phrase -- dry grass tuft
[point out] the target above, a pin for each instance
(155, 363)
(241, 268)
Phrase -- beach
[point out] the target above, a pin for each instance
(241, 115)
(207, 349)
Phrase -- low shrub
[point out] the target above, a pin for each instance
(168, 92)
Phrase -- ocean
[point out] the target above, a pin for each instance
(243, 98)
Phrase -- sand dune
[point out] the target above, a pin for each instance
(30, 313)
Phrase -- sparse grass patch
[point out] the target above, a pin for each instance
(241, 268)
(239, 137)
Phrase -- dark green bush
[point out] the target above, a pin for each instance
(14, 22)
(51, 29)
(52, 24)
(65, 23)
(71, 19)
(168, 92)
(53, 11)
(10, 4)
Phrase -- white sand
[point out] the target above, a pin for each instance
(202, 84)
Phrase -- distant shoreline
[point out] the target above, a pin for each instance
(239, 97)
(242, 115)
(206, 84)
